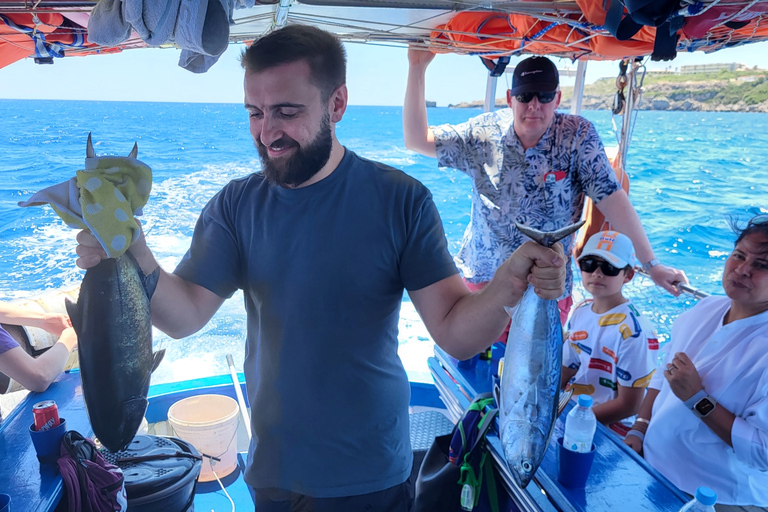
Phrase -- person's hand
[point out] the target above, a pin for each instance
(542, 267)
(668, 278)
(635, 443)
(68, 338)
(419, 57)
(89, 251)
(55, 323)
(683, 378)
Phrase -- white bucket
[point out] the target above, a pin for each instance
(209, 423)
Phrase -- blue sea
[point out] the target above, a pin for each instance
(689, 172)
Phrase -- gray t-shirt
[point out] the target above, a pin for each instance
(323, 269)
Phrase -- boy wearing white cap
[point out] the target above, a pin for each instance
(610, 352)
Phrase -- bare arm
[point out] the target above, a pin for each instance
(54, 323)
(464, 323)
(618, 210)
(179, 307)
(418, 137)
(37, 374)
(643, 418)
(626, 404)
(566, 374)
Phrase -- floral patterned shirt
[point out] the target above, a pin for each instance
(542, 187)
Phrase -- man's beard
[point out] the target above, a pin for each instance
(305, 161)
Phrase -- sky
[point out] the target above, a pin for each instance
(376, 75)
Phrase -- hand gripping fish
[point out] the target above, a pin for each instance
(530, 382)
(114, 329)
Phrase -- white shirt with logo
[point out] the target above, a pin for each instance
(616, 348)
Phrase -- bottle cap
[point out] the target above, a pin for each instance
(706, 496)
(585, 400)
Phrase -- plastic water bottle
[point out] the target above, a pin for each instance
(580, 426)
(703, 501)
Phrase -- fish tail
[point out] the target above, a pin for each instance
(548, 238)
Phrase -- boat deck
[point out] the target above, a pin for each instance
(618, 475)
(38, 487)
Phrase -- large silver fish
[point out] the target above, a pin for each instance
(530, 382)
(114, 329)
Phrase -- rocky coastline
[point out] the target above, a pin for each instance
(713, 94)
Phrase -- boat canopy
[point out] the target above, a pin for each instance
(582, 29)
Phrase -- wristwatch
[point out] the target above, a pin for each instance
(649, 265)
(701, 404)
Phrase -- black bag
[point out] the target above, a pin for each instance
(457, 467)
(661, 14)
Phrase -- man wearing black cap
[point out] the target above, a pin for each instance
(528, 164)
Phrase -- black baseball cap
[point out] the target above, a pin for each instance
(534, 74)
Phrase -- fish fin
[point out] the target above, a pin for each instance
(89, 152)
(74, 314)
(545, 238)
(150, 282)
(135, 151)
(157, 358)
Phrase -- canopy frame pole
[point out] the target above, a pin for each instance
(632, 98)
(281, 14)
(489, 105)
(578, 87)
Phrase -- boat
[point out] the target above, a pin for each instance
(47, 30)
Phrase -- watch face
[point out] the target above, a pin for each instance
(704, 406)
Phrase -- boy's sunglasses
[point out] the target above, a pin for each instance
(758, 220)
(589, 265)
(544, 97)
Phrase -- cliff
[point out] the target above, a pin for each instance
(736, 91)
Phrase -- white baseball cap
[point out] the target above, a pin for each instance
(612, 246)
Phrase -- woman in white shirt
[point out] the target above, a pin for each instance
(705, 420)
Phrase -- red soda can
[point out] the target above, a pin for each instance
(46, 415)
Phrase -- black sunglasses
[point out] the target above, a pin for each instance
(589, 265)
(544, 97)
(758, 220)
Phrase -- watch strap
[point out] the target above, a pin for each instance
(650, 264)
(695, 399)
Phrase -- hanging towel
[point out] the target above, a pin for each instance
(106, 25)
(153, 20)
(104, 198)
(203, 26)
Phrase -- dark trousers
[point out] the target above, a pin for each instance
(395, 499)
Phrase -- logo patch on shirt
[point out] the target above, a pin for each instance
(579, 335)
(582, 389)
(599, 364)
(579, 347)
(608, 383)
(610, 353)
(612, 319)
(623, 374)
(625, 331)
(653, 344)
(643, 381)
